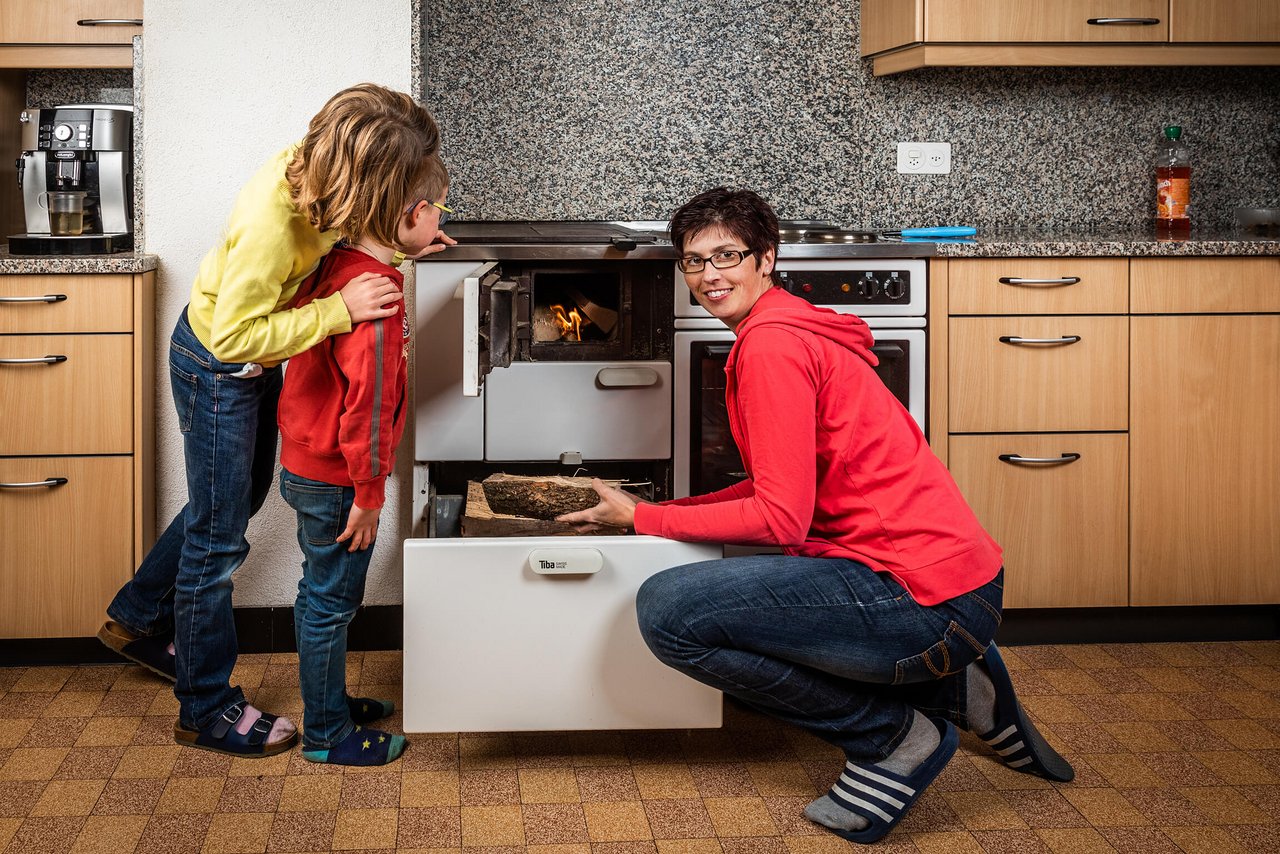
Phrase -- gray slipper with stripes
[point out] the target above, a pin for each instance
(882, 797)
(1015, 739)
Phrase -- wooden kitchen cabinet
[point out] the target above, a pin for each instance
(899, 35)
(69, 33)
(76, 446)
(1205, 417)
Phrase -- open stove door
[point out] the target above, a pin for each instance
(495, 323)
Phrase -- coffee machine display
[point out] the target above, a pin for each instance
(76, 180)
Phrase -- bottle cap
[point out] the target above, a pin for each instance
(1173, 132)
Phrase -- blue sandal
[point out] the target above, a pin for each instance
(1015, 739)
(152, 652)
(883, 797)
(222, 737)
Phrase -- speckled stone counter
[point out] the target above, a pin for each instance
(1016, 244)
(121, 262)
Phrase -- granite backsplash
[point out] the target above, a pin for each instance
(599, 110)
(50, 87)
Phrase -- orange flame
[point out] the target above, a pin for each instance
(570, 324)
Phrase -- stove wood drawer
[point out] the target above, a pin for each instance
(71, 303)
(601, 410)
(1038, 286)
(1028, 374)
(66, 394)
(1058, 505)
(68, 545)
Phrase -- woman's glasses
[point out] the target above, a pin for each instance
(722, 260)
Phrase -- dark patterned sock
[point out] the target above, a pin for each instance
(366, 710)
(363, 746)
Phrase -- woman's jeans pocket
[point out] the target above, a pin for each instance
(957, 649)
(185, 386)
(318, 505)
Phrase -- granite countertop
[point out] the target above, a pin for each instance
(120, 262)
(1032, 244)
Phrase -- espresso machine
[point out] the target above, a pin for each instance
(82, 154)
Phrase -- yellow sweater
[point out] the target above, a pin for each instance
(238, 301)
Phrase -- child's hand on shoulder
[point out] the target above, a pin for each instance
(370, 296)
(441, 242)
(362, 527)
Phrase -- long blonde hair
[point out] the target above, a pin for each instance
(365, 154)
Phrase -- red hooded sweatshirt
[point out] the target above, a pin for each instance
(836, 466)
(342, 409)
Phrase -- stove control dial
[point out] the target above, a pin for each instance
(894, 287)
(868, 286)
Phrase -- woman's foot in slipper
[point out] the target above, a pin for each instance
(869, 800)
(996, 716)
(362, 746)
(242, 730)
(151, 651)
(366, 710)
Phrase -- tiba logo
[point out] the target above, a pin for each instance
(552, 564)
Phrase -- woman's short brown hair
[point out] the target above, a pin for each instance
(742, 213)
(365, 154)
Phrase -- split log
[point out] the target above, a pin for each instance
(479, 520)
(540, 497)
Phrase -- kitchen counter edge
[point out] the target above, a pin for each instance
(1015, 245)
(121, 262)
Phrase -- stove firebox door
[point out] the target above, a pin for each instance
(494, 324)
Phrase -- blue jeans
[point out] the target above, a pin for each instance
(184, 585)
(823, 643)
(329, 592)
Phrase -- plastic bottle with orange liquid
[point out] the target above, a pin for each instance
(1173, 184)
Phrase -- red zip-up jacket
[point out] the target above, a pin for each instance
(342, 410)
(836, 466)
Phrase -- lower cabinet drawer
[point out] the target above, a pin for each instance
(79, 401)
(68, 546)
(1063, 522)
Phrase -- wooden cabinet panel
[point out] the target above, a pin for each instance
(55, 21)
(83, 405)
(1205, 285)
(68, 548)
(1205, 460)
(70, 303)
(1060, 21)
(1063, 526)
(1009, 387)
(1224, 21)
(1039, 286)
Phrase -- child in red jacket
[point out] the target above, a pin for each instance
(342, 414)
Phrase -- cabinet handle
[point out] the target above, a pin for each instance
(45, 298)
(109, 22)
(48, 482)
(38, 360)
(1119, 22)
(1018, 280)
(1015, 339)
(1018, 459)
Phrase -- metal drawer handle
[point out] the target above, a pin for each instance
(626, 377)
(45, 298)
(1018, 459)
(109, 22)
(49, 482)
(39, 360)
(1015, 339)
(1018, 280)
(1114, 22)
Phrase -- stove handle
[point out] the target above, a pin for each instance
(626, 378)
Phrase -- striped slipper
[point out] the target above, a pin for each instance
(883, 797)
(1015, 739)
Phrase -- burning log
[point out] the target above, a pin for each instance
(604, 318)
(539, 497)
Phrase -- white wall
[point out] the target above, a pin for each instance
(224, 86)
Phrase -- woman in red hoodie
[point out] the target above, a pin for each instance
(873, 629)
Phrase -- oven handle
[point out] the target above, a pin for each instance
(627, 377)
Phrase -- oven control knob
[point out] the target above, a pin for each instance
(894, 287)
(868, 286)
(807, 288)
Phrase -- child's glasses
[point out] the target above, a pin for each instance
(445, 210)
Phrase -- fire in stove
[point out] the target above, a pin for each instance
(565, 314)
(570, 325)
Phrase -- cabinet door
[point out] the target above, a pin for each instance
(1224, 21)
(1060, 21)
(68, 546)
(1062, 520)
(66, 303)
(1038, 286)
(57, 22)
(1027, 374)
(1205, 460)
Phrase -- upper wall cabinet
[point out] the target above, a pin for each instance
(69, 33)
(900, 35)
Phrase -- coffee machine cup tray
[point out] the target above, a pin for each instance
(81, 244)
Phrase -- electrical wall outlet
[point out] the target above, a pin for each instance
(924, 158)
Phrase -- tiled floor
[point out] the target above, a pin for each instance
(1176, 748)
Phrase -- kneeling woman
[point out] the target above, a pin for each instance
(873, 630)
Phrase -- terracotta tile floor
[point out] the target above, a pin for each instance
(1176, 748)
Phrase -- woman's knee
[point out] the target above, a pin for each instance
(666, 605)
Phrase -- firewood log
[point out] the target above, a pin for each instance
(539, 497)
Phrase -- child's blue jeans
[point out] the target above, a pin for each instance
(228, 426)
(330, 590)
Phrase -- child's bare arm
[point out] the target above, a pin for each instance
(370, 296)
